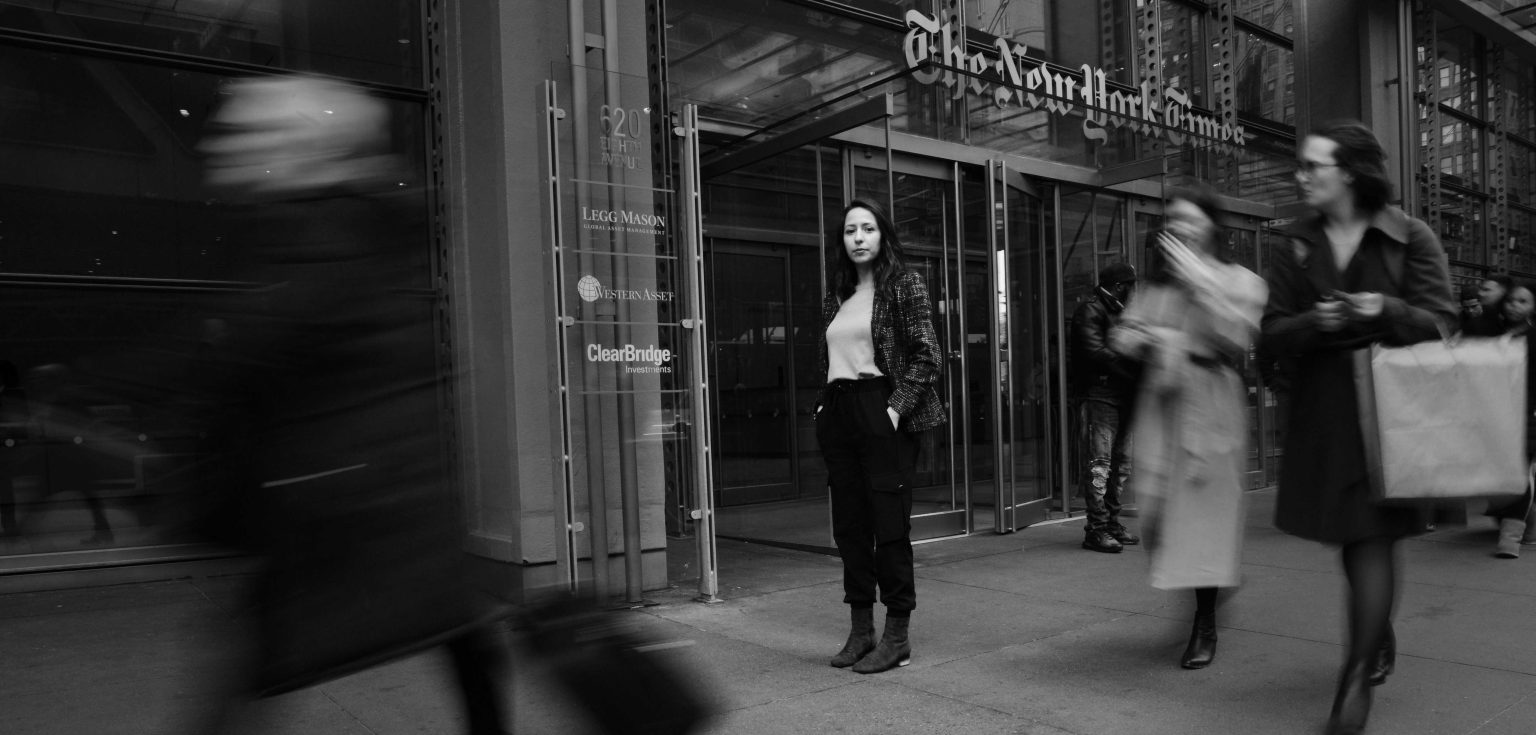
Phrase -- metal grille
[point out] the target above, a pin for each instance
(1496, 161)
(435, 65)
(1149, 30)
(1224, 171)
(1428, 97)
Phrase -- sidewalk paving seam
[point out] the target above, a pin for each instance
(1501, 713)
(325, 692)
(1030, 596)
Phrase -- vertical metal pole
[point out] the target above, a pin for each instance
(954, 248)
(1407, 119)
(565, 511)
(1063, 453)
(1003, 485)
(592, 409)
(629, 482)
(890, 173)
(699, 428)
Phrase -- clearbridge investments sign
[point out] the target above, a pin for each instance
(1014, 79)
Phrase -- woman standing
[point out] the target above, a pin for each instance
(1360, 271)
(881, 360)
(1191, 327)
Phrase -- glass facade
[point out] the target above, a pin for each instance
(1476, 138)
(112, 243)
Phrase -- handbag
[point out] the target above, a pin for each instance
(1444, 419)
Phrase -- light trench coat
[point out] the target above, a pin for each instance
(1189, 440)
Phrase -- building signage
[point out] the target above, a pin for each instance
(1012, 78)
(623, 220)
(590, 289)
(652, 359)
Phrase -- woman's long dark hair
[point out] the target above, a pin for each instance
(888, 263)
(1206, 199)
(1361, 154)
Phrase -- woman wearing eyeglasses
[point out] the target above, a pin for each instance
(1360, 271)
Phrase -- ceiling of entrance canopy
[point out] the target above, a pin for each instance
(1520, 12)
(760, 63)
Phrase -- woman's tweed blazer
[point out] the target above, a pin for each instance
(906, 349)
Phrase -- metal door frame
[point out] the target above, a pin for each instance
(1009, 514)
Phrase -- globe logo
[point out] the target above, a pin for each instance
(589, 288)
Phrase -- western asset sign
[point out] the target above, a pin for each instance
(1013, 78)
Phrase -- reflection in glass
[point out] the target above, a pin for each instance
(108, 181)
(1520, 100)
(1184, 49)
(1272, 15)
(1458, 71)
(1522, 240)
(1265, 79)
(1521, 174)
(1461, 151)
(1461, 226)
(369, 40)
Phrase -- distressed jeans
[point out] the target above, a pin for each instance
(1106, 433)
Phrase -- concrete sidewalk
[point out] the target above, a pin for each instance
(1024, 633)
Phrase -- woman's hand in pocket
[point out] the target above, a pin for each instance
(895, 417)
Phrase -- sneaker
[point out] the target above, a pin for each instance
(1101, 541)
(1126, 538)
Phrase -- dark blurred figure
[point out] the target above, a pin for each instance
(15, 422)
(321, 383)
(1104, 386)
(1517, 516)
(1471, 309)
(1484, 317)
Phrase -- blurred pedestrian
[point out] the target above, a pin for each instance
(1516, 309)
(324, 385)
(1360, 272)
(1191, 326)
(1104, 386)
(1516, 517)
(1471, 309)
(880, 356)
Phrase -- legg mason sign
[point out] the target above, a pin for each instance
(1013, 78)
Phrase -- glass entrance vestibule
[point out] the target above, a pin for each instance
(1006, 258)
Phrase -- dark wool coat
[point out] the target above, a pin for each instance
(1323, 490)
(906, 349)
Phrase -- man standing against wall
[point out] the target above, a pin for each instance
(1105, 386)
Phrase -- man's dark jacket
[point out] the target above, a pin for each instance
(1095, 368)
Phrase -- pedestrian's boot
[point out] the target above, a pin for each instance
(1386, 658)
(1201, 650)
(1101, 540)
(1352, 703)
(892, 652)
(861, 639)
(1510, 531)
(1124, 536)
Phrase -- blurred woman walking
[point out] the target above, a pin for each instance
(1191, 326)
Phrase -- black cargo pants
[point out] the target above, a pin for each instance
(869, 471)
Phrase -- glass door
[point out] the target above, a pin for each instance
(937, 212)
(1025, 288)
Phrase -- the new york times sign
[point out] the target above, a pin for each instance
(1014, 80)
